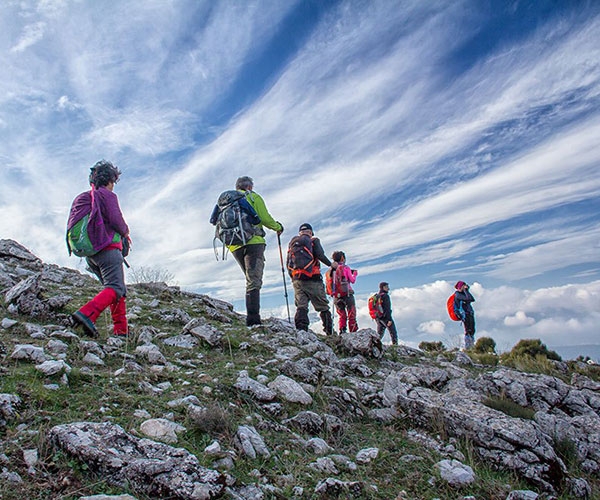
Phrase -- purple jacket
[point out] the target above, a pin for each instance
(106, 218)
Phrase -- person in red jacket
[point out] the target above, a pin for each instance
(107, 230)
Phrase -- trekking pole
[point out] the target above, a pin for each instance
(285, 294)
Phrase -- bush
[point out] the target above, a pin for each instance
(486, 358)
(432, 346)
(532, 348)
(143, 274)
(485, 345)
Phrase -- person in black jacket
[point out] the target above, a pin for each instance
(464, 310)
(386, 320)
(308, 284)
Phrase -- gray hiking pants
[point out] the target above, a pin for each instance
(107, 265)
(251, 259)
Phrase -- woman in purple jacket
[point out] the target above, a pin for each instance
(107, 230)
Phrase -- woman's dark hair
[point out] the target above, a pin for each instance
(338, 256)
(103, 172)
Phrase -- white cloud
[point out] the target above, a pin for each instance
(519, 319)
(32, 34)
(368, 130)
(432, 327)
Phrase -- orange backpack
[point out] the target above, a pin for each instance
(375, 306)
(450, 307)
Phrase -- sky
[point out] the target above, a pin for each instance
(430, 141)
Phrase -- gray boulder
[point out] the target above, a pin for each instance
(365, 342)
(154, 469)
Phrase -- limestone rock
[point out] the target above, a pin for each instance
(162, 429)
(257, 390)
(154, 469)
(455, 473)
(365, 342)
(28, 352)
(290, 390)
(250, 442)
(53, 367)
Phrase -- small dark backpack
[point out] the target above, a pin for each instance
(300, 258)
(235, 220)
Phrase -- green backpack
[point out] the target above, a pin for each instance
(78, 240)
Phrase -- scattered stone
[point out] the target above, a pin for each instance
(54, 367)
(334, 488)
(92, 359)
(367, 455)
(28, 352)
(162, 429)
(455, 473)
(108, 497)
(250, 442)
(257, 390)
(8, 323)
(182, 341)
(290, 390)
(522, 495)
(318, 446)
(152, 353)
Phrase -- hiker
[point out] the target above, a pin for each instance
(107, 232)
(340, 288)
(304, 256)
(385, 320)
(251, 254)
(464, 310)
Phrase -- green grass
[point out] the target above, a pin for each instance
(100, 395)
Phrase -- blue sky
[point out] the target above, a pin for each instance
(431, 141)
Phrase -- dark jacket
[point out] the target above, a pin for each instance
(319, 256)
(386, 305)
(462, 304)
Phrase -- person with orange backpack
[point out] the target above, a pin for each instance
(304, 254)
(464, 310)
(384, 319)
(339, 286)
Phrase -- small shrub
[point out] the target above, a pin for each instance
(567, 451)
(533, 348)
(540, 364)
(488, 358)
(144, 274)
(432, 346)
(212, 420)
(485, 345)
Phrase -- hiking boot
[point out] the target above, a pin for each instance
(88, 325)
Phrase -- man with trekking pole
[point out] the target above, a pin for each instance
(249, 253)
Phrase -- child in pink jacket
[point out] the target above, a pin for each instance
(342, 292)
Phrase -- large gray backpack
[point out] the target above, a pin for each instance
(235, 220)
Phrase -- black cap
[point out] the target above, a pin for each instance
(382, 284)
(305, 227)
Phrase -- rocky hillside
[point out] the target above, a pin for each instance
(194, 405)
